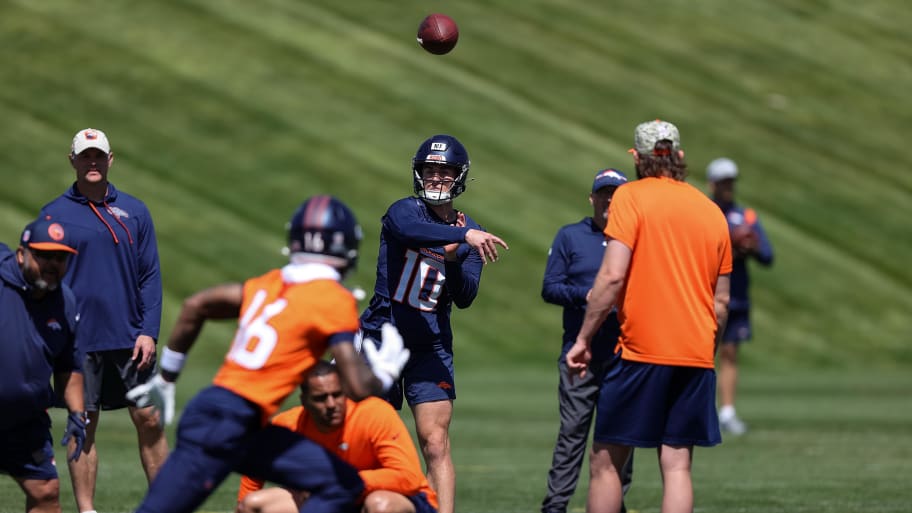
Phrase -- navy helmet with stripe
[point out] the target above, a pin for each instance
(323, 229)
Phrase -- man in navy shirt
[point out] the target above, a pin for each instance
(573, 261)
(117, 282)
(431, 256)
(749, 241)
(37, 341)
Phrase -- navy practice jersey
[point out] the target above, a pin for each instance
(416, 287)
(573, 261)
(36, 340)
(740, 279)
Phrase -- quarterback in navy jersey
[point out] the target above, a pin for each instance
(37, 341)
(431, 257)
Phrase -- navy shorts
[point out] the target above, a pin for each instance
(221, 432)
(27, 450)
(109, 375)
(421, 503)
(648, 405)
(738, 327)
(427, 377)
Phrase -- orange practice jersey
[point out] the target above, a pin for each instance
(373, 439)
(284, 328)
(680, 245)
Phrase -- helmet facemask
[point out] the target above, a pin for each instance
(439, 196)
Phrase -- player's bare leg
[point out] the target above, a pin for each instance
(153, 445)
(728, 374)
(41, 495)
(385, 501)
(84, 471)
(269, 500)
(606, 492)
(677, 486)
(432, 425)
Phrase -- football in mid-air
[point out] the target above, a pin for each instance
(438, 34)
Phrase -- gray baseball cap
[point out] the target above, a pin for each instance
(649, 133)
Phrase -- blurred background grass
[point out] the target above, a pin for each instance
(224, 115)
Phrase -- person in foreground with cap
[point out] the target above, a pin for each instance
(37, 341)
(573, 261)
(117, 282)
(749, 241)
(667, 269)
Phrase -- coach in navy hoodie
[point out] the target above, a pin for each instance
(117, 282)
(37, 341)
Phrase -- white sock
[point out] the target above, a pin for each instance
(726, 413)
(90, 511)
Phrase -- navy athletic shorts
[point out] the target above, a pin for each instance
(648, 405)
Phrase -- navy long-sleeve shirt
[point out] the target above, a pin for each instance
(416, 286)
(37, 340)
(740, 277)
(573, 262)
(116, 275)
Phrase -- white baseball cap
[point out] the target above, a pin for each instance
(90, 138)
(721, 169)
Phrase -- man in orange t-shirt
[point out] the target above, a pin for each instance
(667, 269)
(368, 435)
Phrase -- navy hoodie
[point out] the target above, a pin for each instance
(37, 339)
(116, 275)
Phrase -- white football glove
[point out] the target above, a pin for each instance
(157, 393)
(387, 362)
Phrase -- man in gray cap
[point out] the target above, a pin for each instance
(749, 241)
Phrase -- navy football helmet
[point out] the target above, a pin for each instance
(446, 150)
(323, 229)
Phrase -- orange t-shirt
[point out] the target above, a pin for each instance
(373, 439)
(284, 328)
(680, 244)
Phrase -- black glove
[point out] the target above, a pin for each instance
(76, 429)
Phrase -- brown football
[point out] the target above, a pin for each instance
(438, 34)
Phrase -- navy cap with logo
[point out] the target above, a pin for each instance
(44, 234)
(609, 177)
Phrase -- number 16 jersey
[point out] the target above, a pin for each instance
(416, 286)
(288, 319)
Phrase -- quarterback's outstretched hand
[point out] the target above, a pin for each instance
(158, 393)
(485, 243)
(75, 429)
(387, 362)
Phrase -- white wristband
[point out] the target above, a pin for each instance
(172, 361)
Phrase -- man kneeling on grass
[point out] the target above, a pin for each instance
(369, 435)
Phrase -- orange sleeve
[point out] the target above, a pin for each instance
(400, 470)
(623, 218)
(289, 419)
(248, 485)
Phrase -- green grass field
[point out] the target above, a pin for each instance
(224, 115)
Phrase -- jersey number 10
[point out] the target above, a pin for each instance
(421, 282)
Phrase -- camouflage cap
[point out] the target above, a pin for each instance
(649, 133)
